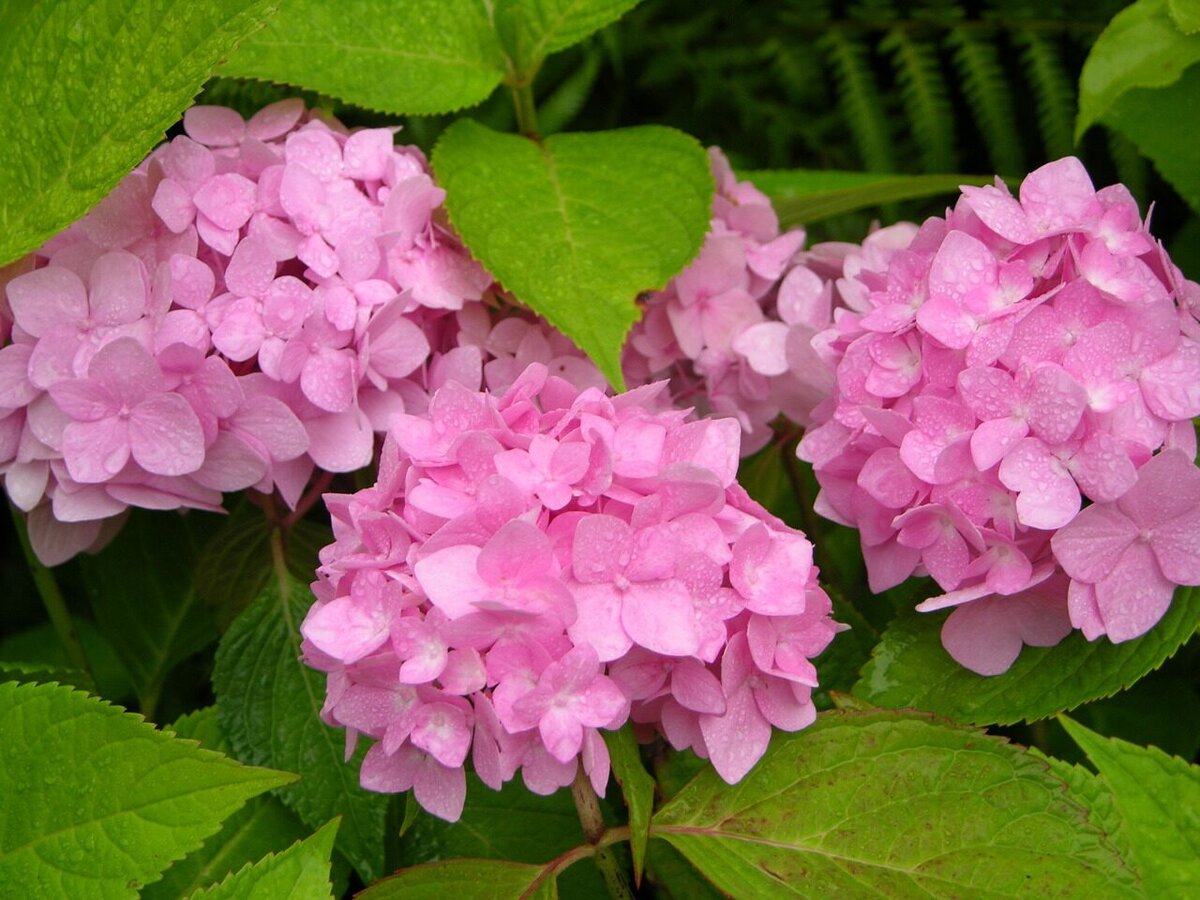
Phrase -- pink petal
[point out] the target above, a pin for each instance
(226, 200)
(598, 621)
(118, 292)
(738, 739)
(1048, 497)
(315, 150)
(1176, 545)
(165, 436)
(1168, 486)
(1083, 609)
(251, 269)
(345, 629)
(451, 580)
(366, 154)
(1056, 403)
(96, 451)
(173, 204)
(1134, 595)
(276, 120)
(661, 618)
(764, 347)
(1171, 386)
(340, 442)
(992, 441)
(216, 126)
(45, 298)
(329, 379)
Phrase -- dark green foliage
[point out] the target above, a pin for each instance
(929, 86)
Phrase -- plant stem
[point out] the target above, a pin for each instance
(309, 500)
(526, 108)
(52, 599)
(587, 804)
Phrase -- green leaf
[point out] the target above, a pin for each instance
(466, 879)
(144, 599)
(1161, 709)
(1142, 47)
(40, 648)
(97, 802)
(1186, 14)
(270, 704)
(90, 89)
(839, 663)
(910, 668)
(1158, 797)
(429, 56)
(235, 565)
(864, 804)
(674, 878)
(804, 196)
(638, 788)
(262, 826)
(1094, 794)
(1154, 120)
(37, 674)
(533, 29)
(513, 824)
(301, 872)
(577, 226)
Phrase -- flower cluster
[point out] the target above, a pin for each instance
(535, 565)
(251, 302)
(733, 331)
(1014, 359)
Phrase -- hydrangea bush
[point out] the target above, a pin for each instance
(387, 476)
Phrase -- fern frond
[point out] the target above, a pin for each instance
(1054, 94)
(858, 95)
(923, 93)
(989, 97)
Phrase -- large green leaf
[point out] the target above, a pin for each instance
(533, 29)
(301, 872)
(882, 803)
(637, 787)
(262, 826)
(428, 56)
(1158, 797)
(269, 705)
(466, 879)
(1186, 14)
(578, 225)
(1086, 787)
(88, 89)
(145, 600)
(910, 668)
(97, 802)
(804, 196)
(1142, 47)
(1159, 123)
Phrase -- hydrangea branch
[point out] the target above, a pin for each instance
(52, 599)
(587, 804)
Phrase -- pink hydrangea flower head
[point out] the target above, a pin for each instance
(733, 332)
(257, 300)
(1009, 387)
(536, 565)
